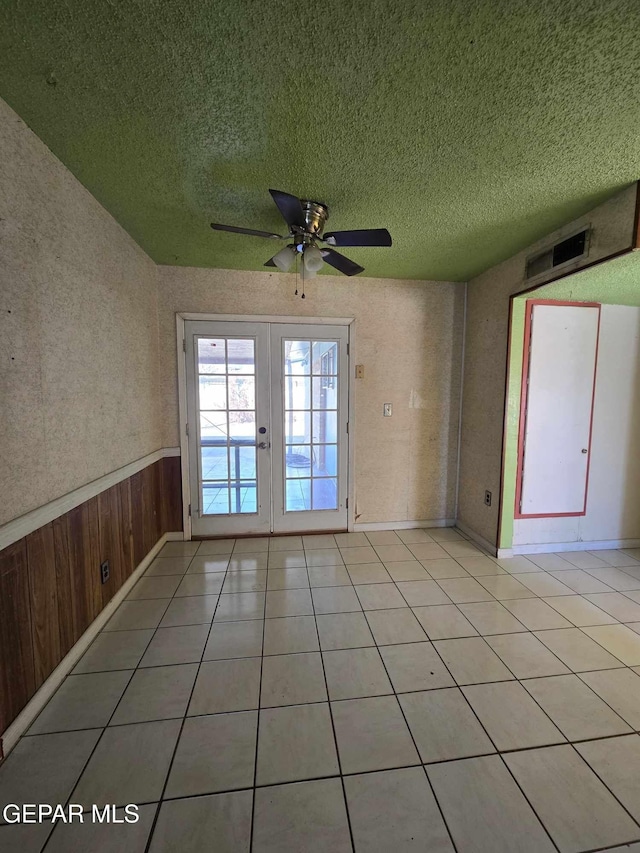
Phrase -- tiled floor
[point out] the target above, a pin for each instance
(394, 691)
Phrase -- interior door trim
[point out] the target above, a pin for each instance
(181, 318)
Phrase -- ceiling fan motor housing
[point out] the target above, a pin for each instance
(315, 217)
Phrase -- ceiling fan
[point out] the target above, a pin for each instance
(306, 220)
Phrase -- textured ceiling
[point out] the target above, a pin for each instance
(469, 129)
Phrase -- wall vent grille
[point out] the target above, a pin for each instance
(570, 249)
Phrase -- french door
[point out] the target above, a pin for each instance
(267, 410)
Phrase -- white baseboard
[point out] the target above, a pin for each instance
(17, 728)
(403, 525)
(487, 546)
(505, 552)
(558, 547)
(18, 528)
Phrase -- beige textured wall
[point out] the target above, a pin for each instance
(78, 331)
(485, 361)
(408, 336)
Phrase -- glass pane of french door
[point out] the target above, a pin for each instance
(227, 405)
(309, 408)
(227, 374)
(310, 424)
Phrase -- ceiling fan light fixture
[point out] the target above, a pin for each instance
(284, 259)
(313, 259)
(305, 222)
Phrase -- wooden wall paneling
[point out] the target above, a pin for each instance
(161, 502)
(126, 532)
(17, 677)
(171, 494)
(156, 505)
(66, 608)
(149, 508)
(84, 564)
(92, 557)
(43, 594)
(137, 517)
(110, 541)
(50, 589)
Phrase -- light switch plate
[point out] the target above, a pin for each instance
(388, 410)
(359, 371)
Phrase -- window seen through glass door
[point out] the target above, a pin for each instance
(311, 424)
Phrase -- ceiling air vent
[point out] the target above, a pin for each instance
(567, 250)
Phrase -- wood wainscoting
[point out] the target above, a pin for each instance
(50, 587)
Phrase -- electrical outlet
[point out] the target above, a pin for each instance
(487, 498)
(104, 571)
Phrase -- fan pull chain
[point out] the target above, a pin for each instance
(296, 293)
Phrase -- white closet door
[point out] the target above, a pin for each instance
(559, 400)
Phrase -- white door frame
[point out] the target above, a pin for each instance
(181, 317)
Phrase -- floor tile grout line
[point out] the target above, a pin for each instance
(577, 628)
(602, 699)
(335, 737)
(415, 744)
(528, 801)
(532, 596)
(504, 762)
(181, 729)
(454, 686)
(551, 652)
(621, 665)
(353, 774)
(613, 848)
(418, 763)
(606, 786)
(581, 629)
(255, 760)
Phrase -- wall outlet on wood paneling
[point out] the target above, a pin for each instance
(487, 498)
(104, 571)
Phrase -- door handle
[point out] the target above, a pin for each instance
(263, 445)
(584, 450)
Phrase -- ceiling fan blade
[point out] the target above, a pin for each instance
(365, 237)
(289, 206)
(270, 263)
(345, 265)
(233, 229)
